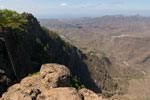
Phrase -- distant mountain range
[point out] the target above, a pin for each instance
(125, 40)
(124, 36)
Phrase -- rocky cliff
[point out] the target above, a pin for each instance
(50, 84)
(27, 49)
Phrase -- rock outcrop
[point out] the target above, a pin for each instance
(50, 84)
(90, 95)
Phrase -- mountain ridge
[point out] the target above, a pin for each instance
(36, 45)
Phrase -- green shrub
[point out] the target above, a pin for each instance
(52, 34)
(75, 82)
(83, 48)
(33, 74)
(92, 52)
(12, 19)
(38, 40)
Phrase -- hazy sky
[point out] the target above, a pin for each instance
(78, 8)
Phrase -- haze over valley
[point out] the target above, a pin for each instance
(124, 40)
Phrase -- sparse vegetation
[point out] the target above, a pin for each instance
(84, 48)
(128, 78)
(103, 53)
(52, 34)
(75, 82)
(33, 74)
(46, 48)
(38, 40)
(92, 52)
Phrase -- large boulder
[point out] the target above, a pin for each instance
(50, 84)
(50, 76)
(90, 95)
(62, 93)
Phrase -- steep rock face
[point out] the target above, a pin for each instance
(36, 45)
(6, 72)
(46, 86)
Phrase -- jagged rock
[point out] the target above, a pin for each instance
(50, 76)
(65, 93)
(49, 84)
(55, 74)
(90, 95)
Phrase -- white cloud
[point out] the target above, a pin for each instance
(63, 4)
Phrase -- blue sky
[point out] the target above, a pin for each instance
(78, 8)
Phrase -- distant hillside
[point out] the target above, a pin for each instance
(124, 40)
(112, 25)
(123, 37)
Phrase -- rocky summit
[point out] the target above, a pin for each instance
(51, 83)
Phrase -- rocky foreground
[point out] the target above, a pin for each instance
(50, 84)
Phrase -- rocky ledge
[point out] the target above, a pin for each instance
(50, 84)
